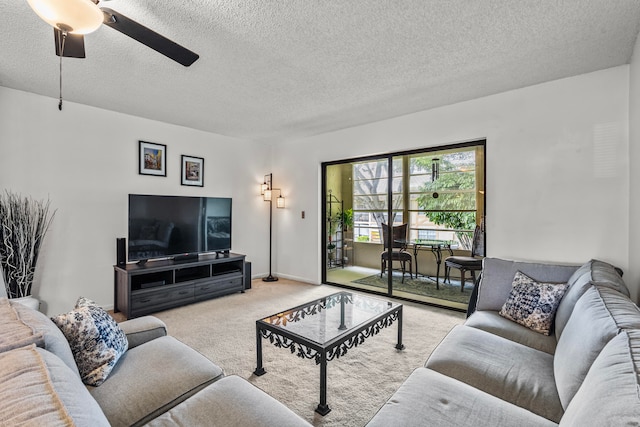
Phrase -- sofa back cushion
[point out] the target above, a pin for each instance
(593, 271)
(599, 315)
(14, 333)
(80, 405)
(37, 388)
(54, 340)
(609, 394)
(497, 278)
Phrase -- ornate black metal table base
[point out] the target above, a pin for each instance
(333, 349)
(436, 250)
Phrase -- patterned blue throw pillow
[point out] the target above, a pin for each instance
(533, 304)
(96, 340)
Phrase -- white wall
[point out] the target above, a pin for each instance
(85, 160)
(558, 178)
(557, 171)
(633, 278)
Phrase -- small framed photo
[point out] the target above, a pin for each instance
(152, 159)
(192, 171)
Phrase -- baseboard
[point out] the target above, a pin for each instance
(296, 278)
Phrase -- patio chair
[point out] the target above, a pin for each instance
(471, 263)
(398, 253)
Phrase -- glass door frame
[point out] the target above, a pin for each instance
(389, 156)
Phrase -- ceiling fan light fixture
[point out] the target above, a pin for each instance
(73, 16)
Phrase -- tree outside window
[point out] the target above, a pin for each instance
(441, 206)
(448, 200)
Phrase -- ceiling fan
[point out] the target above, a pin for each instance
(72, 19)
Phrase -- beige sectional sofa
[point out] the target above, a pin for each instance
(492, 371)
(158, 381)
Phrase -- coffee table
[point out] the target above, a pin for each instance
(326, 328)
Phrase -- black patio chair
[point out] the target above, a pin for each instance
(398, 253)
(471, 263)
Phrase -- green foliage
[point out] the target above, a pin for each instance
(362, 238)
(454, 220)
(347, 218)
(445, 199)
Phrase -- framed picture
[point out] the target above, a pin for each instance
(192, 171)
(152, 159)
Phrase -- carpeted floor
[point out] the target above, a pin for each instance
(422, 285)
(359, 383)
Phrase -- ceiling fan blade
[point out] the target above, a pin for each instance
(144, 35)
(73, 44)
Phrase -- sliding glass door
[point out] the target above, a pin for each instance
(432, 197)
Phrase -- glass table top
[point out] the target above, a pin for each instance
(429, 243)
(331, 317)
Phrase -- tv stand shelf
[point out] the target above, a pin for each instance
(163, 284)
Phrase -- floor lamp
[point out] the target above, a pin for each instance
(267, 190)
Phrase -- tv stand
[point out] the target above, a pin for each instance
(142, 289)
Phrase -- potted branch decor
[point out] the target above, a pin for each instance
(23, 225)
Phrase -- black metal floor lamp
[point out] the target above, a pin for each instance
(266, 189)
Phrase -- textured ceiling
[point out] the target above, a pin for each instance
(274, 70)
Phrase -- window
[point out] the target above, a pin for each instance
(370, 185)
(439, 193)
(444, 191)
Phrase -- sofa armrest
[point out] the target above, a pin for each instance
(143, 329)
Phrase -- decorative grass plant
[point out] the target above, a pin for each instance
(23, 225)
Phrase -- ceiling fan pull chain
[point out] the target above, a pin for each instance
(61, 41)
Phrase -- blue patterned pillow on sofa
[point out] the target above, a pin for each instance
(96, 340)
(533, 304)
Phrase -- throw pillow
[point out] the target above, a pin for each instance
(96, 340)
(533, 304)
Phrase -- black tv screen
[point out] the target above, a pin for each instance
(168, 226)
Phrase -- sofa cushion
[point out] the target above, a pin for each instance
(609, 394)
(157, 376)
(96, 340)
(505, 369)
(14, 333)
(27, 393)
(491, 321)
(230, 402)
(497, 278)
(430, 398)
(54, 339)
(593, 271)
(37, 388)
(533, 304)
(599, 315)
(83, 408)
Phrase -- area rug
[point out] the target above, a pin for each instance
(359, 383)
(422, 285)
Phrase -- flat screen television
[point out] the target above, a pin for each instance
(177, 226)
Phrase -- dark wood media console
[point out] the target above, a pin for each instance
(159, 285)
